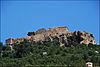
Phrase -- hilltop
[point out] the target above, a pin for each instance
(60, 34)
(54, 47)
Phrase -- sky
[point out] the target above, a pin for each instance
(20, 17)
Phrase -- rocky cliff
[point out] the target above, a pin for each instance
(58, 34)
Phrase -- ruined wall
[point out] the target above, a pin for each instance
(14, 40)
(40, 31)
(59, 32)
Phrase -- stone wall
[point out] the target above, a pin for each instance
(59, 32)
(14, 40)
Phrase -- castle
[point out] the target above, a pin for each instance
(61, 33)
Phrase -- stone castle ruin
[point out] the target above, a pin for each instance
(59, 34)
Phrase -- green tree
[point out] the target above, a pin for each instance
(31, 33)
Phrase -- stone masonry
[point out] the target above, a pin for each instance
(60, 33)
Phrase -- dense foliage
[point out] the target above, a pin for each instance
(30, 33)
(48, 54)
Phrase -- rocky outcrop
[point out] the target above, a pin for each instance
(59, 34)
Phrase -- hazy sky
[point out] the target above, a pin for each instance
(20, 17)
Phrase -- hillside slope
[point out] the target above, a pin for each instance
(49, 54)
(55, 47)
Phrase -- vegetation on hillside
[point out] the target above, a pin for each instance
(48, 54)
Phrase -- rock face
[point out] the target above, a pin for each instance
(59, 34)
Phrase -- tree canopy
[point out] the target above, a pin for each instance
(32, 54)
